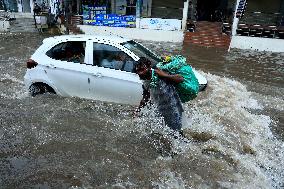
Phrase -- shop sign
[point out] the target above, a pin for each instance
(112, 20)
(160, 24)
(97, 15)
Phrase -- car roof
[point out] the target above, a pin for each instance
(111, 38)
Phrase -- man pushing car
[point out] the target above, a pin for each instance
(169, 85)
(164, 94)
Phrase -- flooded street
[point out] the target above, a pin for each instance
(234, 129)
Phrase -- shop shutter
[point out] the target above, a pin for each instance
(167, 9)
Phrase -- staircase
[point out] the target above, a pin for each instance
(208, 34)
(72, 24)
(23, 25)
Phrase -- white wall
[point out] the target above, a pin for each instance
(135, 33)
(159, 24)
(257, 43)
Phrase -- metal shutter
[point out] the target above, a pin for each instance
(167, 9)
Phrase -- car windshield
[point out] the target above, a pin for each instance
(141, 51)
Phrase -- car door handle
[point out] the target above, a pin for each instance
(51, 66)
(98, 74)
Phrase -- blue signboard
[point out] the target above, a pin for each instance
(97, 16)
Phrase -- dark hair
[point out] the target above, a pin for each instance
(144, 61)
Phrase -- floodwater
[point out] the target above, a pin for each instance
(234, 129)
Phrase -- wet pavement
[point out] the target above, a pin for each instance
(234, 129)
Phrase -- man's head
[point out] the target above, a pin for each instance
(143, 68)
(121, 56)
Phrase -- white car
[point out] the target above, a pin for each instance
(91, 67)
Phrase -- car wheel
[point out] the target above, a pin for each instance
(40, 88)
(202, 87)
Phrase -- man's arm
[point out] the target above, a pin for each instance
(145, 99)
(171, 78)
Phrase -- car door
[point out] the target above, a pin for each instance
(113, 78)
(67, 70)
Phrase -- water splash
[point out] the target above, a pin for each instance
(168, 179)
(221, 130)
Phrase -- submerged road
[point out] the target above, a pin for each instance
(234, 129)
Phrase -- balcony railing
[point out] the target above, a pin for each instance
(259, 24)
(263, 18)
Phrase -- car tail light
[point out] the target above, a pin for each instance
(31, 64)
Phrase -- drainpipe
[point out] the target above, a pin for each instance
(184, 15)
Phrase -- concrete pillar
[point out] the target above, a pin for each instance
(149, 8)
(78, 6)
(138, 12)
(138, 8)
(235, 21)
(192, 7)
(184, 15)
(235, 24)
(113, 6)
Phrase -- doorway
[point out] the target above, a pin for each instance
(213, 10)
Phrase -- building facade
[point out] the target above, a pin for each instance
(259, 25)
(155, 14)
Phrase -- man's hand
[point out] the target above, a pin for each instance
(161, 73)
(171, 78)
(136, 112)
(144, 100)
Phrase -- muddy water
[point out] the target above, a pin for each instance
(234, 129)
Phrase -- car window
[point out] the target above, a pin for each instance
(71, 51)
(108, 56)
(141, 51)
